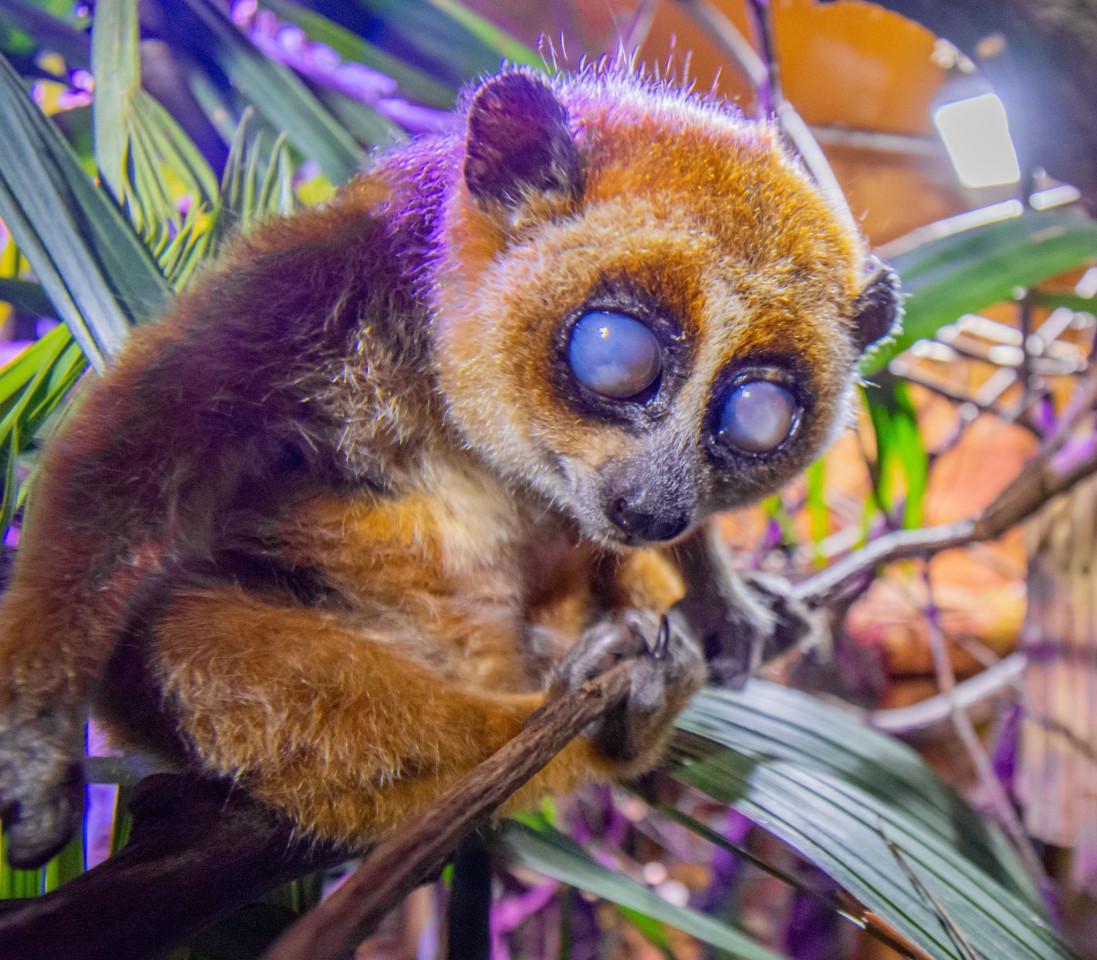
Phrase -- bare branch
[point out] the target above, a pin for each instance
(976, 694)
(199, 849)
(998, 801)
(1043, 477)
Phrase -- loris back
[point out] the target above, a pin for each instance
(398, 468)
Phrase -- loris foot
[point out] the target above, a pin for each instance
(41, 788)
(667, 669)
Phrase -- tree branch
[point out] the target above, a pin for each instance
(199, 849)
(1046, 475)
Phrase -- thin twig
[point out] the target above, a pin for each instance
(999, 803)
(1043, 477)
(946, 921)
(636, 30)
(763, 75)
(730, 41)
(985, 689)
(843, 903)
(399, 864)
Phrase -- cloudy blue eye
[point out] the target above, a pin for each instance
(614, 354)
(758, 416)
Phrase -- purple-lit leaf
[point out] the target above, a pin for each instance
(273, 90)
(409, 82)
(555, 855)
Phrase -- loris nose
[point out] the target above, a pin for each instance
(640, 520)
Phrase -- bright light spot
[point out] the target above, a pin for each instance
(976, 136)
(674, 892)
(1087, 286)
(1054, 196)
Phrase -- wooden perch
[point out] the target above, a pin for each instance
(401, 863)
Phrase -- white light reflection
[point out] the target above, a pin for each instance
(976, 137)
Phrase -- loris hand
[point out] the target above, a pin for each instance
(667, 668)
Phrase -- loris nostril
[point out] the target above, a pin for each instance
(639, 521)
(620, 514)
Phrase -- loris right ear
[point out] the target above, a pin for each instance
(878, 311)
(519, 140)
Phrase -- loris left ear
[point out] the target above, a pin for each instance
(878, 310)
(519, 140)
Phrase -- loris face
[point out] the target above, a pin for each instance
(649, 312)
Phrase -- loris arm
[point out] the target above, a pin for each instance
(740, 623)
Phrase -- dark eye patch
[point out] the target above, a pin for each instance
(756, 412)
(622, 356)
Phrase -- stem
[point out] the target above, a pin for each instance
(997, 799)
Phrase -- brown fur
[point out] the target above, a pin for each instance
(324, 527)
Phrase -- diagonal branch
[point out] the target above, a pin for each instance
(1051, 472)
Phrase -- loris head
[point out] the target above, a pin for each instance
(648, 312)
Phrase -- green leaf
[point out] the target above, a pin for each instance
(47, 31)
(900, 451)
(549, 852)
(95, 271)
(144, 157)
(274, 91)
(1069, 300)
(652, 930)
(967, 270)
(32, 386)
(117, 73)
(69, 863)
(412, 82)
(818, 515)
(867, 811)
(453, 41)
(364, 123)
(26, 296)
(257, 182)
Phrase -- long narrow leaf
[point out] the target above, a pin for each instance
(145, 158)
(412, 83)
(868, 812)
(551, 853)
(117, 79)
(276, 92)
(26, 295)
(51, 32)
(443, 36)
(967, 270)
(92, 267)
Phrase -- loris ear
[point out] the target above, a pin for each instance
(879, 309)
(518, 140)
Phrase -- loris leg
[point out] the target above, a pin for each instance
(329, 724)
(52, 647)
